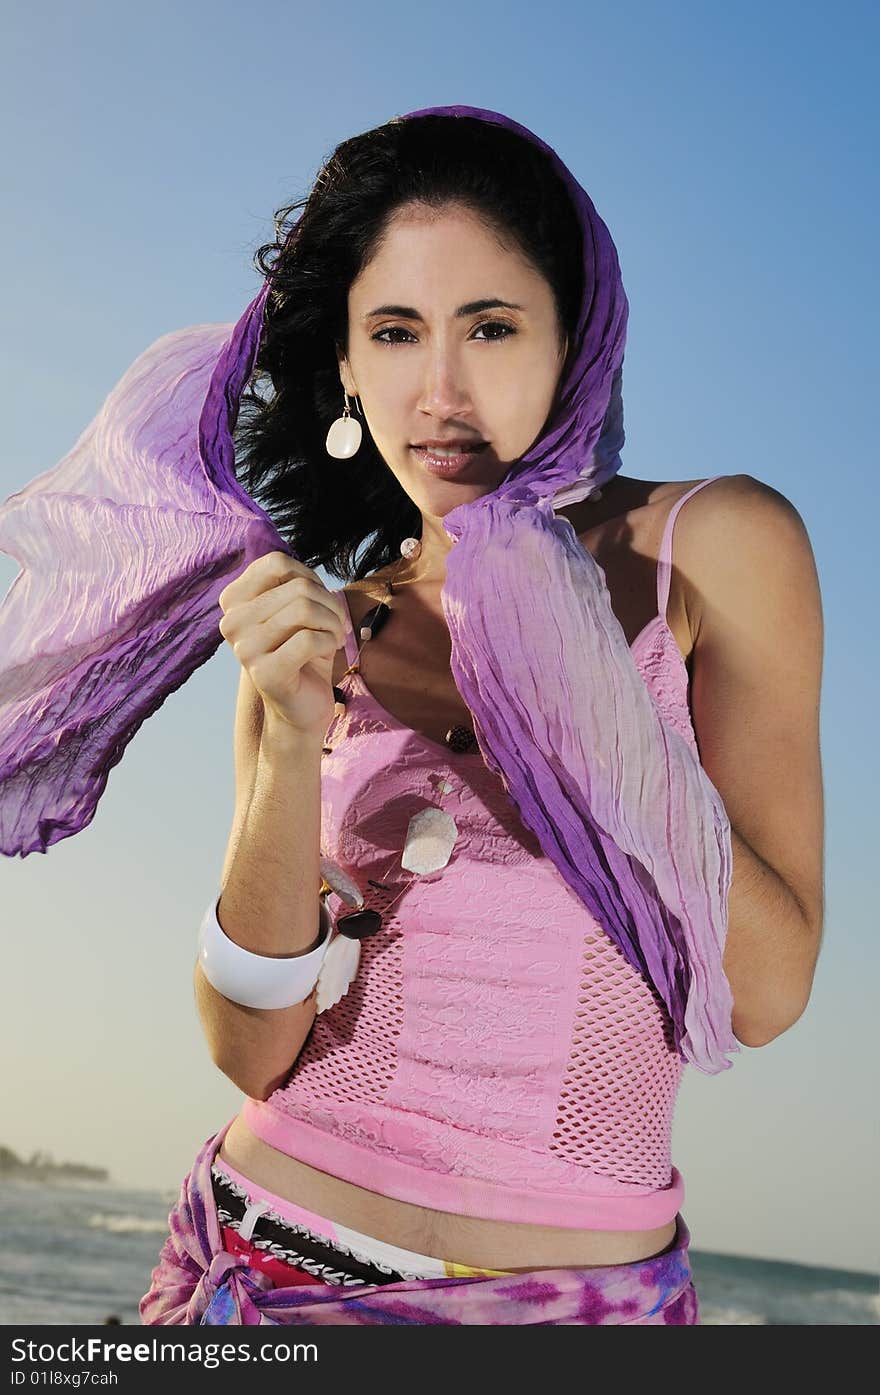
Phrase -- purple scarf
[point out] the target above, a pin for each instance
(126, 544)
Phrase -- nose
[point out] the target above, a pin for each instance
(444, 390)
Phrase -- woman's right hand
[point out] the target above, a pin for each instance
(285, 627)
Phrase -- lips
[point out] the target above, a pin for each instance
(447, 465)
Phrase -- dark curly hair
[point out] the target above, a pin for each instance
(327, 509)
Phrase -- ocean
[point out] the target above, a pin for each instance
(77, 1253)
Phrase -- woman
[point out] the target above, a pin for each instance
(472, 1080)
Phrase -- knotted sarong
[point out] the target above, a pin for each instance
(198, 1282)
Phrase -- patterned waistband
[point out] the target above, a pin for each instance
(328, 1253)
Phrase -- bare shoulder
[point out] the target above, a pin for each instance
(732, 500)
(735, 537)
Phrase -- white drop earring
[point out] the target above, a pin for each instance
(345, 434)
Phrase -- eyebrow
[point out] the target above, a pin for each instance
(473, 307)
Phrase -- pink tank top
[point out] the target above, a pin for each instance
(496, 1055)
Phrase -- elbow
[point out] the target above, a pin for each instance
(256, 1088)
(750, 1036)
(761, 1030)
(233, 1073)
(255, 1049)
(259, 1074)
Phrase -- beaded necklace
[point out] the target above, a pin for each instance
(430, 836)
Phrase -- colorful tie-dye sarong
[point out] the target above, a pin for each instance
(198, 1282)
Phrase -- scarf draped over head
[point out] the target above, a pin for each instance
(127, 543)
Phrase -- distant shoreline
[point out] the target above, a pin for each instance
(40, 1167)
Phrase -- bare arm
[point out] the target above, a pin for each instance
(270, 881)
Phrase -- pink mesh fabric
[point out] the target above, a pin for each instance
(496, 1055)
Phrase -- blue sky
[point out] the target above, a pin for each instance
(728, 148)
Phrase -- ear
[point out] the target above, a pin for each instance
(345, 373)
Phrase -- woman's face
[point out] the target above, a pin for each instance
(428, 363)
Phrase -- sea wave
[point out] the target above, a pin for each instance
(712, 1315)
(858, 1302)
(127, 1225)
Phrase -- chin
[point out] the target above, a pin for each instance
(439, 497)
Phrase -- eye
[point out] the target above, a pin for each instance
(486, 324)
(497, 324)
(392, 329)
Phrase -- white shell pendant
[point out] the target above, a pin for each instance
(337, 971)
(430, 838)
(340, 882)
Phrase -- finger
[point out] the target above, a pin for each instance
(312, 644)
(307, 613)
(270, 570)
(272, 667)
(277, 598)
(304, 613)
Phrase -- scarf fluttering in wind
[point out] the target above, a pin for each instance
(126, 544)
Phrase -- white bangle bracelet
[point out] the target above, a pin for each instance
(258, 980)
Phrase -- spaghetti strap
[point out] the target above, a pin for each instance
(664, 561)
(351, 644)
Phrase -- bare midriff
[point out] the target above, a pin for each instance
(483, 1244)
